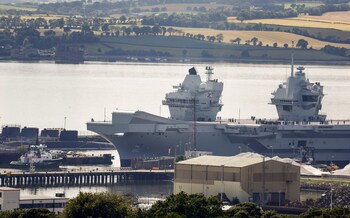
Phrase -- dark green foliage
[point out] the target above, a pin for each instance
(263, 14)
(184, 205)
(247, 209)
(29, 35)
(326, 213)
(334, 50)
(302, 43)
(31, 213)
(317, 11)
(269, 214)
(97, 205)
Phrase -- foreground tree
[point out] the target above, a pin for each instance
(184, 205)
(326, 212)
(31, 213)
(97, 205)
(302, 43)
(246, 209)
(254, 40)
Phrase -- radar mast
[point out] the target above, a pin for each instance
(209, 72)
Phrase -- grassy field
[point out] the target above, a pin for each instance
(12, 7)
(267, 37)
(339, 16)
(306, 21)
(175, 45)
(47, 17)
(326, 180)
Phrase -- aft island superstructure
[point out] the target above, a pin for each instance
(300, 131)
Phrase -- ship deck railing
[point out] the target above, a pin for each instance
(220, 120)
(280, 122)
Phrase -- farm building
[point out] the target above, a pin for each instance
(253, 178)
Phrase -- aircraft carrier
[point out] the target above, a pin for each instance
(300, 132)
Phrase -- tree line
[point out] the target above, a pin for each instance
(179, 205)
(30, 37)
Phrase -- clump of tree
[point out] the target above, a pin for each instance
(319, 10)
(28, 213)
(184, 205)
(334, 50)
(302, 43)
(185, 20)
(326, 212)
(250, 14)
(97, 205)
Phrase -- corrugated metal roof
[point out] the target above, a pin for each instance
(241, 160)
(9, 189)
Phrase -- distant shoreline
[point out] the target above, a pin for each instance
(109, 59)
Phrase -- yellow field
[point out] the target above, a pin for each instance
(47, 17)
(58, 31)
(339, 16)
(9, 7)
(266, 37)
(302, 21)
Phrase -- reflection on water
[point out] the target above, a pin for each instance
(148, 189)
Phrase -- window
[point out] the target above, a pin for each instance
(0, 194)
(310, 98)
(287, 107)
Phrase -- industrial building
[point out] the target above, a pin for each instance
(10, 199)
(247, 176)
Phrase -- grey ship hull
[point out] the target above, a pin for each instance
(140, 134)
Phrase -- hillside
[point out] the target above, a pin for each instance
(302, 21)
(176, 47)
(266, 37)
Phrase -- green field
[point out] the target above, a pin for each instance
(175, 45)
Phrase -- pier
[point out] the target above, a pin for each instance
(80, 178)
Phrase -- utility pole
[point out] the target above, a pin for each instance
(194, 125)
(222, 182)
(263, 181)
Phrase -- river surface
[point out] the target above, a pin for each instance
(48, 95)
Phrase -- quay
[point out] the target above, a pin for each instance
(79, 178)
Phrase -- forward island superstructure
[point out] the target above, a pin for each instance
(298, 99)
(300, 131)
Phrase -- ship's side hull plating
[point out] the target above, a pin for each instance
(141, 134)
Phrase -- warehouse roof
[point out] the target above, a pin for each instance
(240, 160)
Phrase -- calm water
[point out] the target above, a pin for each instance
(42, 94)
(144, 189)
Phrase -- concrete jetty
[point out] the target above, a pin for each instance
(76, 177)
